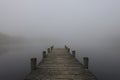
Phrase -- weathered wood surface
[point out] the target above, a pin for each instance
(60, 65)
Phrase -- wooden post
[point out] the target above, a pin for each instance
(65, 47)
(44, 54)
(73, 53)
(68, 50)
(33, 63)
(48, 50)
(85, 62)
(52, 48)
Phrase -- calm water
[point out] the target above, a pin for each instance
(15, 61)
(104, 63)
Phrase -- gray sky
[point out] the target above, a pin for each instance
(66, 19)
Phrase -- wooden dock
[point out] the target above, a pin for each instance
(59, 64)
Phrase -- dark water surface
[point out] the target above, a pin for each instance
(104, 63)
(15, 61)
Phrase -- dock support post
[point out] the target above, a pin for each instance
(65, 47)
(48, 50)
(68, 50)
(44, 54)
(52, 48)
(73, 53)
(33, 63)
(85, 62)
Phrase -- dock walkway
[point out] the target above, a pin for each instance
(59, 64)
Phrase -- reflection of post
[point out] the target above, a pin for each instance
(85, 62)
(44, 54)
(73, 53)
(33, 63)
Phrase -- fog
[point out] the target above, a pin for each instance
(67, 20)
(91, 27)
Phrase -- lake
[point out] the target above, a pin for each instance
(15, 60)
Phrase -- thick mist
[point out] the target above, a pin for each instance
(64, 20)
